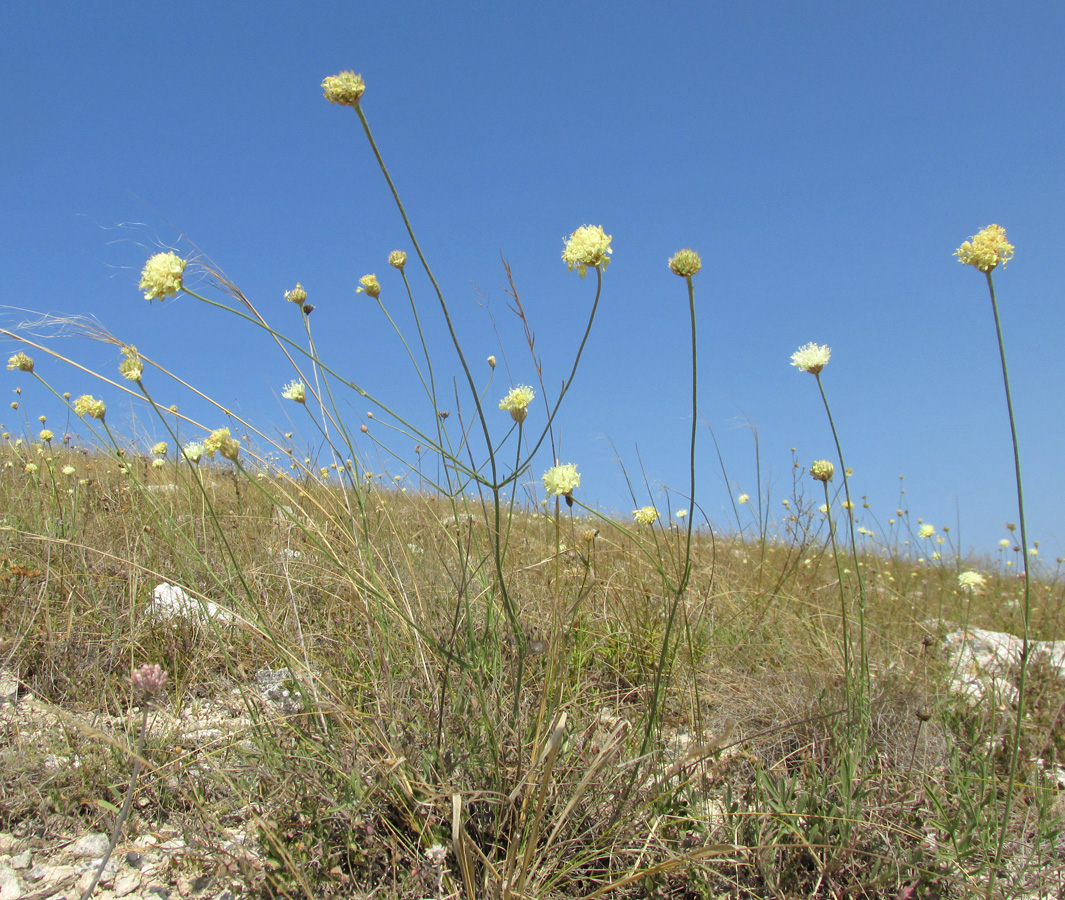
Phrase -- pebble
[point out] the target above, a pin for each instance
(22, 860)
(90, 845)
(10, 889)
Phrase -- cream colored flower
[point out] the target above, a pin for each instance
(30, 469)
(685, 263)
(132, 366)
(517, 402)
(220, 441)
(159, 449)
(68, 471)
(344, 89)
(561, 480)
(811, 358)
(926, 531)
(193, 451)
(648, 515)
(158, 463)
(162, 276)
(46, 435)
(492, 361)
(369, 285)
(295, 391)
(986, 250)
(588, 246)
(397, 259)
(743, 498)
(822, 470)
(21, 362)
(972, 580)
(296, 295)
(87, 405)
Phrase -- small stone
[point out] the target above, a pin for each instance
(134, 859)
(10, 889)
(22, 860)
(127, 882)
(90, 845)
(8, 842)
(157, 891)
(35, 874)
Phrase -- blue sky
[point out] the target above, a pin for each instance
(825, 159)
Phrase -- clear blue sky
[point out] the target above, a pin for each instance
(824, 158)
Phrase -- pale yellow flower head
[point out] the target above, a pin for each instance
(369, 285)
(158, 463)
(344, 89)
(159, 449)
(296, 295)
(295, 391)
(162, 276)
(974, 581)
(397, 259)
(648, 515)
(811, 358)
(132, 366)
(87, 405)
(517, 401)
(220, 441)
(743, 498)
(69, 471)
(561, 480)
(822, 470)
(46, 435)
(193, 451)
(588, 246)
(492, 361)
(20, 362)
(926, 531)
(986, 250)
(685, 263)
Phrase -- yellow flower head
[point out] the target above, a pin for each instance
(220, 441)
(492, 361)
(296, 391)
(21, 362)
(743, 498)
(46, 435)
(296, 295)
(986, 250)
(561, 480)
(87, 405)
(517, 401)
(344, 89)
(588, 246)
(132, 366)
(369, 285)
(685, 263)
(822, 470)
(972, 580)
(193, 451)
(926, 531)
(162, 276)
(159, 449)
(811, 358)
(397, 259)
(648, 515)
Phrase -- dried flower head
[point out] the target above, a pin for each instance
(87, 405)
(193, 451)
(822, 470)
(397, 259)
(561, 480)
(648, 515)
(159, 449)
(149, 680)
(296, 295)
(132, 366)
(369, 284)
(46, 435)
(344, 89)
(219, 441)
(162, 276)
(20, 362)
(811, 358)
(974, 581)
(685, 263)
(295, 391)
(986, 250)
(588, 246)
(517, 401)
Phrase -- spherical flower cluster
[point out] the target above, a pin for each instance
(517, 401)
(971, 580)
(132, 366)
(162, 276)
(30, 469)
(369, 284)
(220, 441)
(822, 470)
(296, 295)
(344, 89)
(743, 498)
(21, 362)
(648, 515)
(397, 259)
(193, 452)
(685, 263)
(158, 463)
(492, 361)
(811, 358)
(87, 405)
(46, 435)
(159, 449)
(295, 391)
(561, 480)
(986, 250)
(69, 471)
(588, 246)
(926, 531)
(149, 680)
